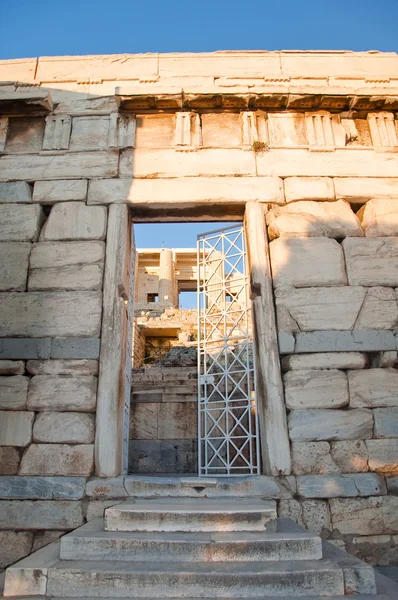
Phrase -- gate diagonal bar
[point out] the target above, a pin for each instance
(227, 401)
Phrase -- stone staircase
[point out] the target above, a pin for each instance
(191, 548)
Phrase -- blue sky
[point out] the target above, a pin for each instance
(42, 28)
(33, 28)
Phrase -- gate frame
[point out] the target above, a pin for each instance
(114, 386)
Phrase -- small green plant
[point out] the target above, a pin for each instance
(259, 146)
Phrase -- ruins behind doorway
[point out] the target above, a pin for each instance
(163, 432)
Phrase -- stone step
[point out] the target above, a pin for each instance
(190, 514)
(91, 541)
(281, 579)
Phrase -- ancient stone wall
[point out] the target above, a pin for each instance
(85, 140)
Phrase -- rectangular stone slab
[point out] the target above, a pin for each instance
(334, 486)
(51, 314)
(42, 488)
(40, 514)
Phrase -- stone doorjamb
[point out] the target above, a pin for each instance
(113, 384)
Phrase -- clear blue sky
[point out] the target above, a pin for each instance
(31, 28)
(40, 27)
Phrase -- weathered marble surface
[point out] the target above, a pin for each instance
(58, 459)
(42, 488)
(313, 425)
(13, 392)
(386, 422)
(50, 314)
(371, 262)
(20, 222)
(16, 427)
(379, 217)
(14, 266)
(40, 514)
(335, 486)
(307, 262)
(324, 360)
(372, 388)
(76, 393)
(64, 428)
(326, 388)
(75, 221)
(63, 190)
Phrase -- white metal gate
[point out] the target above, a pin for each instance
(228, 441)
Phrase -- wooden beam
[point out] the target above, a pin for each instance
(274, 438)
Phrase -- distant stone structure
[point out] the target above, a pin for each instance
(302, 147)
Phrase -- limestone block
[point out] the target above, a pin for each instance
(309, 188)
(9, 460)
(291, 509)
(386, 422)
(170, 163)
(316, 517)
(47, 255)
(345, 486)
(13, 392)
(62, 367)
(15, 191)
(50, 314)
(12, 367)
(313, 425)
(365, 516)
(89, 133)
(379, 310)
(63, 190)
(337, 341)
(388, 359)
(14, 266)
(383, 455)
(318, 309)
(20, 222)
(313, 219)
(350, 456)
(74, 221)
(16, 428)
(49, 166)
(371, 262)
(106, 488)
(64, 428)
(14, 546)
(40, 514)
(307, 262)
(62, 393)
(379, 217)
(324, 360)
(80, 277)
(180, 191)
(58, 459)
(42, 488)
(373, 388)
(361, 189)
(292, 162)
(312, 457)
(316, 389)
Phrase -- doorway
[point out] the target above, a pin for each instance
(165, 434)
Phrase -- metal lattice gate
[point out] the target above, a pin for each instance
(228, 440)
